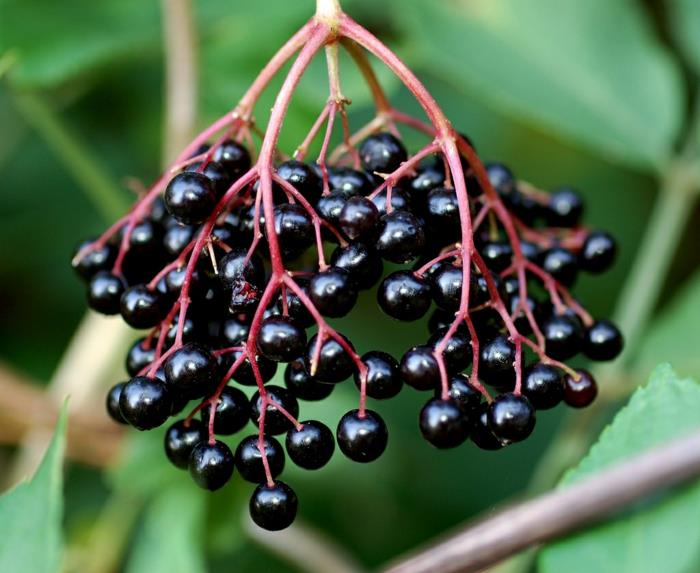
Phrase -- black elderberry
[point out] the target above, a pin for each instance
(598, 252)
(579, 393)
(281, 339)
(447, 286)
(145, 238)
(234, 332)
(404, 296)
(177, 237)
(273, 507)
(481, 433)
(349, 182)
(244, 297)
(543, 386)
(362, 262)
(564, 209)
(142, 307)
(191, 370)
(530, 251)
(104, 293)
(190, 331)
(442, 213)
(602, 341)
(501, 179)
(231, 414)
(443, 423)
(98, 259)
(438, 319)
(497, 360)
(457, 352)
(275, 421)
(190, 197)
(249, 459)
(419, 368)
(303, 178)
(181, 438)
(333, 292)
(211, 465)
(234, 157)
(294, 229)
(362, 438)
(296, 310)
(236, 265)
(401, 237)
(563, 336)
(462, 393)
(382, 153)
(358, 218)
(329, 207)
(511, 418)
(217, 174)
(302, 385)
(145, 403)
(497, 255)
(244, 372)
(383, 375)
(333, 363)
(175, 281)
(428, 177)
(311, 446)
(400, 201)
(138, 357)
(112, 403)
(561, 264)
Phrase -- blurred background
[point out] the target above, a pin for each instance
(595, 94)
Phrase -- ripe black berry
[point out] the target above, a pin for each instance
(310, 447)
(358, 218)
(481, 433)
(362, 262)
(447, 286)
(458, 350)
(442, 213)
(427, 178)
(580, 393)
(501, 179)
(181, 438)
(98, 259)
(294, 229)
(382, 153)
(211, 465)
(400, 201)
(496, 365)
(362, 438)
(349, 182)
(231, 414)
(302, 385)
(112, 403)
(401, 237)
(234, 332)
(281, 339)
(235, 266)
(543, 386)
(419, 368)
(234, 157)
(273, 507)
(443, 423)
(497, 255)
(275, 421)
(104, 293)
(404, 296)
(602, 341)
(177, 237)
(511, 418)
(563, 336)
(191, 370)
(561, 264)
(190, 197)
(302, 177)
(145, 403)
(383, 375)
(564, 209)
(329, 207)
(217, 174)
(244, 373)
(142, 307)
(334, 363)
(333, 292)
(598, 252)
(462, 393)
(249, 460)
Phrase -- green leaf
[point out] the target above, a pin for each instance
(31, 514)
(684, 18)
(670, 336)
(662, 534)
(172, 537)
(609, 86)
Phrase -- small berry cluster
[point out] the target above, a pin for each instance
(237, 252)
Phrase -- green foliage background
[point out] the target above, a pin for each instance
(596, 94)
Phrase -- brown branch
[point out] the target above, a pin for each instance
(554, 514)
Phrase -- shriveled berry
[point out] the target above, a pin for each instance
(236, 266)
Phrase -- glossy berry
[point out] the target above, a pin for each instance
(404, 296)
(177, 237)
(580, 393)
(281, 339)
(362, 262)
(191, 370)
(145, 403)
(349, 182)
(447, 286)
(419, 368)
(294, 229)
(481, 433)
(249, 460)
(443, 423)
(382, 153)
(497, 255)
(310, 447)
(358, 218)
(333, 363)
(302, 177)
(273, 507)
(216, 173)
(275, 421)
(598, 252)
(400, 201)
(98, 259)
(231, 414)
(462, 393)
(497, 359)
(563, 336)
(362, 438)
(383, 375)
(181, 438)
(602, 341)
(457, 352)
(543, 386)
(501, 178)
(234, 332)
(211, 465)
(142, 307)
(333, 292)
(442, 213)
(564, 209)
(236, 266)
(401, 237)
(302, 385)
(112, 403)
(511, 418)
(561, 264)
(329, 207)
(244, 373)
(234, 157)
(295, 307)
(427, 178)
(190, 197)
(104, 293)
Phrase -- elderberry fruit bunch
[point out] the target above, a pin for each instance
(237, 260)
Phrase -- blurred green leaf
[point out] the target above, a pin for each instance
(569, 66)
(31, 515)
(684, 17)
(662, 535)
(57, 41)
(172, 537)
